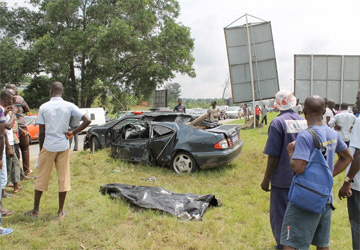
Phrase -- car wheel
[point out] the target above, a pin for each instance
(94, 145)
(184, 163)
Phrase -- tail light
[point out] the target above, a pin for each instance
(137, 112)
(223, 144)
(229, 142)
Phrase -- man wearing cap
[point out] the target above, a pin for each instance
(282, 130)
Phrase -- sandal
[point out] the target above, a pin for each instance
(31, 214)
(5, 231)
(17, 190)
(6, 195)
(5, 212)
(61, 216)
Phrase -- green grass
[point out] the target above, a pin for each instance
(96, 222)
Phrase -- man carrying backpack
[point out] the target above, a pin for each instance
(300, 227)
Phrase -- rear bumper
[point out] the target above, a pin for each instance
(235, 116)
(216, 158)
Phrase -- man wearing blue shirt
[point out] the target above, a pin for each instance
(180, 107)
(283, 130)
(301, 228)
(54, 119)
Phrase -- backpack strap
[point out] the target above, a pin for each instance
(315, 137)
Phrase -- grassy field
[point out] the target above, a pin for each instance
(96, 222)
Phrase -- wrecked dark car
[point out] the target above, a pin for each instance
(182, 147)
(98, 138)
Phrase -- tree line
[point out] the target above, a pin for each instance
(110, 52)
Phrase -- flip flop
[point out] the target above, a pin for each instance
(6, 212)
(62, 216)
(30, 214)
(6, 195)
(17, 190)
(5, 231)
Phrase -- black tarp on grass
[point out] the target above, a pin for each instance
(184, 206)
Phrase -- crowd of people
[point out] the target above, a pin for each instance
(54, 119)
(289, 147)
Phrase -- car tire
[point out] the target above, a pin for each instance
(184, 162)
(29, 138)
(94, 145)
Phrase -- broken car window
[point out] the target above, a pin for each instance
(161, 131)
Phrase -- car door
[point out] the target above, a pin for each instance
(162, 142)
(132, 142)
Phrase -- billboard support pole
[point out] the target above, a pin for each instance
(251, 69)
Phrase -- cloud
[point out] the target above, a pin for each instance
(299, 27)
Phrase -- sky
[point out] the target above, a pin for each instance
(298, 26)
(324, 27)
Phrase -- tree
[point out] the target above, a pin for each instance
(174, 91)
(38, 91)
(12, 60)
(104, 47)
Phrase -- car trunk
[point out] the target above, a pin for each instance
(230, 131)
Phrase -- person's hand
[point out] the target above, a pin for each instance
(8, 109)
(69, 134)
(265, 185)
(1, 164)
(14, 109)
(345, 190)
(291, 148)
(10, 152)
(23, 132)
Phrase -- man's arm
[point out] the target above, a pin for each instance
(297, 165)
(2, 131)
(41, 135)
(344, 159)
(25, 107)
(332, 121)
(86, 121)
(10, 123)
(9, 150)
(272, 164)
(345, 190)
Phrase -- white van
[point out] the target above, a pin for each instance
(96, 115)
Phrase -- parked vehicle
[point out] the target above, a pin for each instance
(182, 147)
(96, 115)
(96, 136)
(233, 112)
(32, 127)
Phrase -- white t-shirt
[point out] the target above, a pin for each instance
(298, 108)
(355, 144)
(9, 132)
(328, 112)
(345, 121)
(213, 113)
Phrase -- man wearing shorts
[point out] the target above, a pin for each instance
(54, 119)
(301, 228)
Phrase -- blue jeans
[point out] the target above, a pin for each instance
(353, 203)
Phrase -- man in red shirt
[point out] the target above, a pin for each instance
(257, 114)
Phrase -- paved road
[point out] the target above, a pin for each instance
(34, 148)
